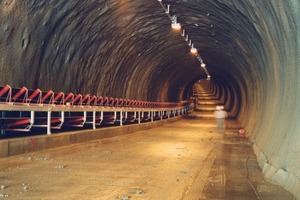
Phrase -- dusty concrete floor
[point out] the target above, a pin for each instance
(183, 160)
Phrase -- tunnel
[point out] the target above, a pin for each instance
(128, 49)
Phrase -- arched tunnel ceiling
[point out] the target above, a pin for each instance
(115, 48)
(121, 48)
(126, 48)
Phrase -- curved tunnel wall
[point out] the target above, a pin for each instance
(99, 47)
(127, 49)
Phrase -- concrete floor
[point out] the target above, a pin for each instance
(187, 159)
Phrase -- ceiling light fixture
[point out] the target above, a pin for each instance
(193, 49)
(175, 25)
(168, 9)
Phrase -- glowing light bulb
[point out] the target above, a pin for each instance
(176, 26)
(203, 65)
(193, 50)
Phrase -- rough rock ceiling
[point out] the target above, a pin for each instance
(119, 48)
(126, 48)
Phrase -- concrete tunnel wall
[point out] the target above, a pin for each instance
(127, 49)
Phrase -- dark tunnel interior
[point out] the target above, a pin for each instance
(127, 49)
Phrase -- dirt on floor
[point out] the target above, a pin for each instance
(183, 160)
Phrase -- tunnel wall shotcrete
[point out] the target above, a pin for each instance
(127, 49)
(108, 48)
(274, 124)
(269, 88)
(266, 72)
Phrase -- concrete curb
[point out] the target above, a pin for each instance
(17, 146)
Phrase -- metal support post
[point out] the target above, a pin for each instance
(49, 122)
(121, 118)
(31, 117)
(62, 117)
(84, 117)
(152, 116)
(139, 117)
(101, 116)
(126, 116)
(94, 119)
